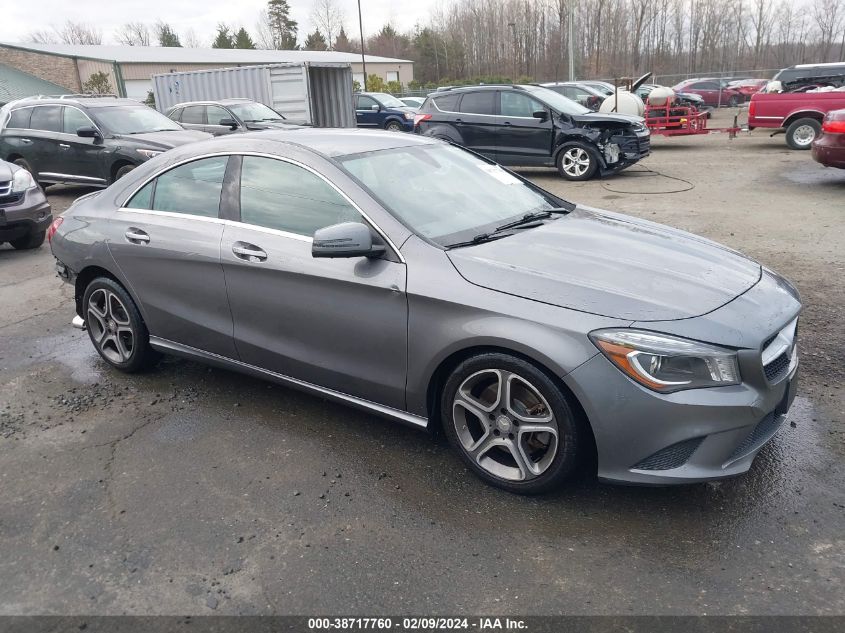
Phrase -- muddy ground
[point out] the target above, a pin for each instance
(196, 491)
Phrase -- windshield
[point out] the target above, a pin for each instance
(252, 112)
(444, 193)
(388, 101)
(133, 120)
(557, 101)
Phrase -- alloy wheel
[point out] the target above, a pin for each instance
(111, 329)
(576, 161)
(505, 424)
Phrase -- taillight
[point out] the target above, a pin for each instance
(53, 228)
(419, 118)
(834, 127)
(752, 108)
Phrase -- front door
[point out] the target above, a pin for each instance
(166, 242)
(82, 157)
(368, 111)
(337, 323)
(522, 138)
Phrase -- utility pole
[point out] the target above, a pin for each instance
(512, 25)
(571, 36)
(363, 59)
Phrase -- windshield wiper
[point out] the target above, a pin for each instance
(478, 239)
(529, 219)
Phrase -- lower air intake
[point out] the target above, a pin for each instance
(670, 457)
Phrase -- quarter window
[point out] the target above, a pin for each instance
(19, 119)
(143, 198)
(47, 118)
(192, 188)
(478, 102)
(74, 119)
(447, 103)
(279, 195)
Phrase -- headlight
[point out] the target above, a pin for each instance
(409, 116)
(22, 180)
(149, 153)
(667, 363)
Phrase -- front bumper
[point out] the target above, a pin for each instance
(644, 437)
(24, 214)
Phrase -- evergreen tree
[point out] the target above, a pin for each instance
(243, 40)
(316, 42)
(342, 43)
(166, 35)
(224, 38)
(282, 27)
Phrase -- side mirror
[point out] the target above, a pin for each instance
(348, 239)
(230, 123)
(540, 114)
(88, 132)
(375, 107)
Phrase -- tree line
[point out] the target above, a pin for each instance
(521, 40)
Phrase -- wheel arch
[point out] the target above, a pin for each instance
(581, 139)
(448, 364)
(90, 273)
(116, 165)
(803, 114)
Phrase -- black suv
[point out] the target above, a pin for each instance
(229, 115)
(91, 141)
(525, 125)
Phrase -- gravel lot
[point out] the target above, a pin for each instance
(196, 491)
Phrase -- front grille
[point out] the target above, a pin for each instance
(5, 188)
(777, 368)
(11, 199)
(761, 434)
(670, 457)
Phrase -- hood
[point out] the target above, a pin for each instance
(405, 109)
(275, 125)
(6, 171)
(611, 265)
(167, 139)
(601, 117)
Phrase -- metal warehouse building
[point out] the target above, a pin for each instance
(129, 68)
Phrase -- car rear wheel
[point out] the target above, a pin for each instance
(801, 133)
(393, 126)
(576, 162)
(733, 101)
(29, 241)
(115, 326)
(510, 423)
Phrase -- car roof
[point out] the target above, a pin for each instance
(485, 86)
(214, 102)
(331, 142)
(88, 102)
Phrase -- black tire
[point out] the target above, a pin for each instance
(733, 101)
(797, 133)
(29, 241)
(557, 462)
(141, 356)
(394, 126)
(120, 173)
(576, 151)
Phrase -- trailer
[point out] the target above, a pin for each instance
(675, 120)
(314, 93)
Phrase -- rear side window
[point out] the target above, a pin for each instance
(20, 118)
(192, 188)
(47, 118)
(193, 114)
(447, 103)
(286, 197)
(478, 102)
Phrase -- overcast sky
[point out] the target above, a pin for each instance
(19, 18)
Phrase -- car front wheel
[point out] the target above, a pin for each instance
(115, 326)
(576, 162)
(393, 126)
(510, 423)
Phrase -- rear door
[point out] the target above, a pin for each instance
(476, 121)
(82, 157)
(364, 112)
(338, 323)
(166, 241)
(523, 139)
(193, 118)
(45, 130)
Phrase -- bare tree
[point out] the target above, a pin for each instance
(328, 18)
(133, 34)
(69, 33)
(191, 40)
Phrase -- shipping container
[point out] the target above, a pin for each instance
(317, 93)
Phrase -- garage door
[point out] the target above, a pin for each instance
(138, 88)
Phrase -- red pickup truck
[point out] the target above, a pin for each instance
(800, 114)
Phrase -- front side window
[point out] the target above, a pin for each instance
(74, 119)
(215, 114)
(366, 103)
(47, 118)
(519, 105)
(192, 188)
(444, 193)
(478, 102)
(283, 196)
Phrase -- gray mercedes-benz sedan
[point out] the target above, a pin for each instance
(421, 282)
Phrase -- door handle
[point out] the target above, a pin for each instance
(506, 123)
(248, 252)
(64, 145)
(27, 141)
(136, 236)
(459, 121)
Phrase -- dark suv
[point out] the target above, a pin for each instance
(534, 126)
(384, 111)
(229, 115)
(90, 141)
